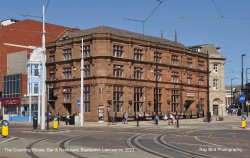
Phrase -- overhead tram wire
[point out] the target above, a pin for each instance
(47, 5)
(218, 9)
(149, 15)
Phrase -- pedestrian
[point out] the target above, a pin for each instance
(125, 118)
(171, 119)
(67, 119)
(112, 117)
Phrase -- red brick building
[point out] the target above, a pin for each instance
(27, 33)
(14, 59)
(119, 70)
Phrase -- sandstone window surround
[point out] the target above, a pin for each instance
(67, 73)
(52, 73)
(216, 67)
(157, 57)
(118, 70)
(175, 100)
(201, 65)
(86, 96)
(86, 51)
(52, 57)
(86, 70)
(158, 74)
(118, 51)
(201, 80)
(67, 54)
(189, 79)
(138, 54)
(215, 84)
(189, 62)
(138, 99)
(138, 73)
(175, 77)
(158, 97)
(118, 98)
(67, 94)
(175, 60)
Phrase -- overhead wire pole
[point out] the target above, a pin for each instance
(82, 86)
(39, 93)
(43, 74)
(30, 72)
(208, 99)
(43, 54)
(242, 78)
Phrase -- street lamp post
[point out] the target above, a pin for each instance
(242, 78)
(247, 91)
(156, 85)
(208, 100)
(231, 91)
(82, 87)
(43, 74)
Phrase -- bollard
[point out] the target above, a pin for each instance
(55, 122)
(5, 128)
(137, 120)
(177, 121)
(243, 121)
(35, 122)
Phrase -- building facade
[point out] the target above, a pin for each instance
(120, 70)
(14, 59)
(12, 92)
(217, 94)
(34, 87)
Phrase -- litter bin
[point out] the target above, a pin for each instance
(243, 121)
(55, 122)
(5, 128)
(35, 121)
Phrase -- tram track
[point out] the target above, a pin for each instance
(160, 141)
(61, 145)
(167, 150)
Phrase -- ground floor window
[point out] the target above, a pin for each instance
(175, 100)
(87, 98)
(138, 99)
(118, 98)
(10, 109)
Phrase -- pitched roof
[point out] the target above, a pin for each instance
(124, 33)
(27, 32)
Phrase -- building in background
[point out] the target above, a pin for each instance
(216, 78)
(13, 63)
(7, 22)
(120, 74)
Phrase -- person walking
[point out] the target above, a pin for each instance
(125, 118)
(67, 119)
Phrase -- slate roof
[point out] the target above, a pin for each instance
(124, 33)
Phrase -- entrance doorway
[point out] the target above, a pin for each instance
(215, 110)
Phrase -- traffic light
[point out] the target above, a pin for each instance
(52, 96)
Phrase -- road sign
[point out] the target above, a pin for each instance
(78, 103)
(242, 98)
